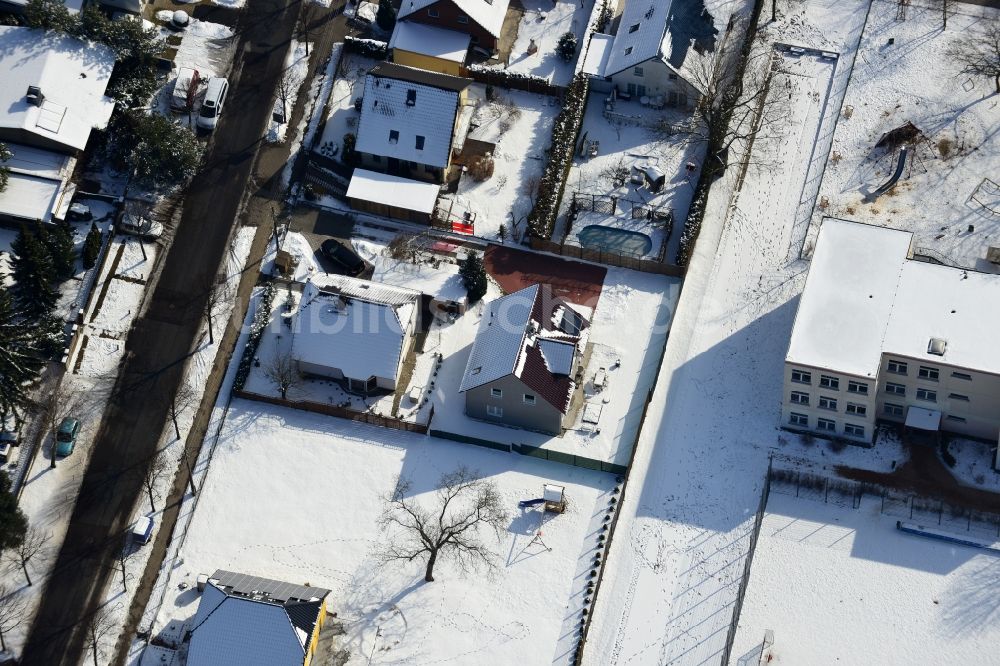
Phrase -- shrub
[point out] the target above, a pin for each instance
(567, 46)
(91, 246)
(386, 16)
(604, 16)
(481, 168)
(945, 146)
(5, 155)
(349, 155)
(369, 48)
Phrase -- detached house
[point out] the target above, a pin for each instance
(482, 20)
(355, 331)
(52, 95)
(646, 57)
(525, 363)
(412, 122)
(250, 621)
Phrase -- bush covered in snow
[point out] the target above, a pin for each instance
(369, 48)
(542, 218)
(261, 318)
(505, 77)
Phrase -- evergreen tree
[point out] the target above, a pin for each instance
(33, 273)
(473, 274)
(567, 46)
(61, 249)
(386, 16)
(21, 357)
(5, 155)
(13, 523)
(156, 150)
(91, 246)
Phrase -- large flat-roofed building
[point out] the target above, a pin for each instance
(881, 336)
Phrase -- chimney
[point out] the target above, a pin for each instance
(35, 96)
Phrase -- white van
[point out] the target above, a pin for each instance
(215, 99)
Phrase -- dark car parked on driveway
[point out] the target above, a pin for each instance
(343, 257)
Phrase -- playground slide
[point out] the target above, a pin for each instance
(524, 504)
(887, 185)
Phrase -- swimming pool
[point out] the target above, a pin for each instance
(609, 239)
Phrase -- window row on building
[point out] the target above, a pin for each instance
(829, 382)
(925, 372)
(825, 425)
(921, 393)
(826, 402)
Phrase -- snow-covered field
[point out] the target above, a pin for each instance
(543, 23)
(627, 140)
(843, 585)
(643, 302)
(674, 567)
(519, 124)
(914, 80)
(323, 479)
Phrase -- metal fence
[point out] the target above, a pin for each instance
(339, 412)
(895, 503)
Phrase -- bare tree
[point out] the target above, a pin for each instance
(99, 627)
(979, 55)
(734, 104)
(288, 86)
(55, 404)
(617, 173)
(33, 545)
(12, 614)
(182, 399)
(210, 303)
(283, 371)
(464, 506)
(307, 17)
(152, 474)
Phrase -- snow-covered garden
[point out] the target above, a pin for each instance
(325, 481)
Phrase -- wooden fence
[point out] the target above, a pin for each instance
(339, 412)
(608, 258)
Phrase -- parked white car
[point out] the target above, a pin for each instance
(136, 225)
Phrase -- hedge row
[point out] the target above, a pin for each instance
(261, 319)
(542, 219)
(370, 48)
(501, 75)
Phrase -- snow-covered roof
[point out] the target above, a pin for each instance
(37, 187)
(393, 191)
(598, 52)
(864, 297)
(430, 41)
(442, 282)
(640, 35)
(960, 307)
(518, 335)
(266, 622)
(405, 108)
(72, 75)
(356, 326)
(848, 297)
(487, 13)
